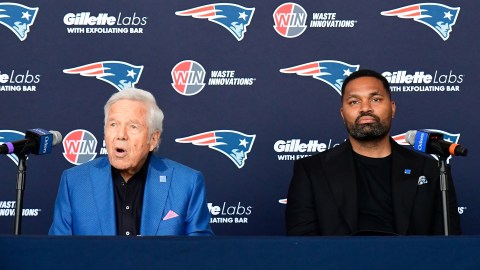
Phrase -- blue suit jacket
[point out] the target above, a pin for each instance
(85, 201)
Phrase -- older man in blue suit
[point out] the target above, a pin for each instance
(132, 192)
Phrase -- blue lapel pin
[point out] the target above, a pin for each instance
(163, 179)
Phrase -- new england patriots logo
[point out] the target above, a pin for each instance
(235, 145)
(17, 18)
(328, 71)
(232, 17)
(438, 17)
(10, 136)
(449, 137)
(119, 74)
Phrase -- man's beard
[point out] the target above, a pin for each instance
(368, 132)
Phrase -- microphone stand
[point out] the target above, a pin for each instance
(444, 189)
(22, 169)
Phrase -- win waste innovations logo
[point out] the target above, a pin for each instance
(188, 78)
(290, 20)
(7, 209)
(79, 146)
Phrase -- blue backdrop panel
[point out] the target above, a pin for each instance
(259, 76)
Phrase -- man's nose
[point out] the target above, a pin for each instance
(122, 133)
(365, 106)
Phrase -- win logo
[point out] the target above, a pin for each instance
(188, 78)
(290, 20)
(79, 146)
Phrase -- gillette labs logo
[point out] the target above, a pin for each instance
(227, 213)
(295, 149)
(421, 81)
(15, 81)
(104, 23)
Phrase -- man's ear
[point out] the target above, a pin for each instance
(154, 139)
(394, 109)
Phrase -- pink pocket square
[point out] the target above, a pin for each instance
(170, 215)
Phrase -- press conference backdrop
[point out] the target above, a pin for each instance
(247, 87)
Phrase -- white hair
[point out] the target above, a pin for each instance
(154, 113)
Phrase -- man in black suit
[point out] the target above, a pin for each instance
(368, 185)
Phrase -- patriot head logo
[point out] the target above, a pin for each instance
(188, 78)
(328, 71)
(119, 74)
(11, 136)
(232, 17)
(438, 17)
(18, 18)
(233, 144)
(449, 137)
(290, 20)
(79, 146)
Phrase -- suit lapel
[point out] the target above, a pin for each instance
(343, 183)
(101, 178)
(158, 183)
(405, 171)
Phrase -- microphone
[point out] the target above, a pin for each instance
(37, 141)
(433, 143)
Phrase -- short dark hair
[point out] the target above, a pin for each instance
(366, 73)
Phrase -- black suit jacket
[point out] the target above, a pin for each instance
(322, 198)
